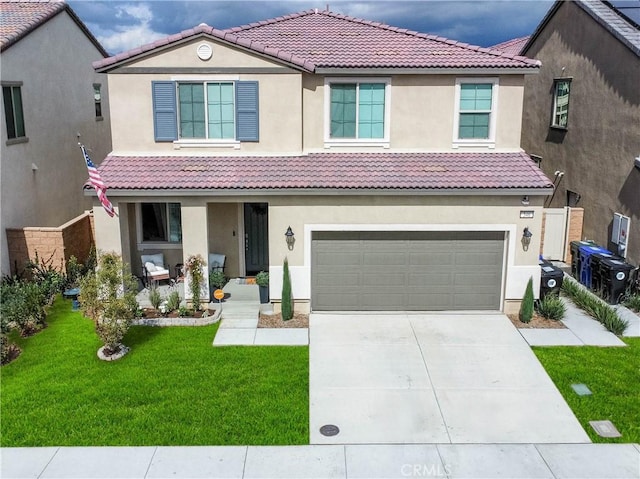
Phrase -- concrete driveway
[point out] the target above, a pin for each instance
(436, 378)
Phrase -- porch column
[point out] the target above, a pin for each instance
(195, 238)
(107, 228)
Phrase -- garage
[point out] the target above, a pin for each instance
(406, 271)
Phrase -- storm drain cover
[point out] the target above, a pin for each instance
(605, 428)
(329, 430)
(581, 389)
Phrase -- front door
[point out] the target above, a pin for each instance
(256, 237)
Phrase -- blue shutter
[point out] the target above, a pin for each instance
(165, 126)
(247, 124)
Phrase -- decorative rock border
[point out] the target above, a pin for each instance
(121, 352)
(164, 322)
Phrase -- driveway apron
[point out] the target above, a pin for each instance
(431, 378)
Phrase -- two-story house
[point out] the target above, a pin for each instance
(582, 116)
(392, 157)
(50, 94)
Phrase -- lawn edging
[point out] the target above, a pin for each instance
(164, 322)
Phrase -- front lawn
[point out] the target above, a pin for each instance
(612, 375)
(173, 388)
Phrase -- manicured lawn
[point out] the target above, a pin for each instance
(612, 375)
(173, 388)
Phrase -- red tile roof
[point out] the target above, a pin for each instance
(513, 46)
(320, 39)
(395, 171)
(18, 18)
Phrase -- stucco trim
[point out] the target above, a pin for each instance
(204, 70)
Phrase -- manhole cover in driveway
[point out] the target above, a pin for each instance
(329, 430)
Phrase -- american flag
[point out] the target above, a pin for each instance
(96, 181)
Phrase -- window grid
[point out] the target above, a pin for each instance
(475, 111)
(207, 110)
(97, 99)
(561, 93)
(357, 110)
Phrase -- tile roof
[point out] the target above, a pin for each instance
(314, 39)
(394, 171)
(18, 18)
(513, 46)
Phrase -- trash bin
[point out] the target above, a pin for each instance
(550, 279)
(615, 276)
(575, 256)
(597, 270)
(585, 262)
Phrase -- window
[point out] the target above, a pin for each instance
(561, 87)
(97, 100)
(357, 110)
(197, 113)
(13, 114)
(161, 222)
(476, 101)
(573, 198)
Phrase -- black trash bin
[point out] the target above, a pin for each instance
(615, 277)
(597, 272)
(550, 279)
(575, 257)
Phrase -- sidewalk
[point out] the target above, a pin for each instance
(601, 461)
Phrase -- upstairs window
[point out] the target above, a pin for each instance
(13, 114)
(475, 114)
(207, 110)
(357, 110)
(161, 222)
(561, 88)
(97, 100)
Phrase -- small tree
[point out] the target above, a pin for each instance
(108, 297)
(195, 266)
(526, 307)
(287, 299)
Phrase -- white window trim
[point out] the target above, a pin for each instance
(476, 142)
(554, 111)
(145, 245)
(342, 142)
(206, 142)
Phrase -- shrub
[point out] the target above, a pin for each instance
(23, 306)
(526, 307)
(194, 266)
(217, 279)
(50, 280)
(551, 307)
(173, 301)
(595, 307)
(633, 302)
(155, 298)
(108, 297)
(287, 299)
(183, 311)
(262, 278)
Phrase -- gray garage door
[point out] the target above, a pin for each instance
(406, 271)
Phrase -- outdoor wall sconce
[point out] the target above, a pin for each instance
(525, 200)
(526, 238)
(291, 240)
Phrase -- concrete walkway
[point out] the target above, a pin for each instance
(478, 461)
(239, 325)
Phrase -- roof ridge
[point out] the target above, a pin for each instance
(270, 21)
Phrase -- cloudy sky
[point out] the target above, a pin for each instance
(122, 25)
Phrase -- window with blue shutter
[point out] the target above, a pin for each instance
(165, 127)
(247, 115)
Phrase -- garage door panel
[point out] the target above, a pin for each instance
(406, 270)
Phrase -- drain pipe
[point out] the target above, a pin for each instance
(556, 182)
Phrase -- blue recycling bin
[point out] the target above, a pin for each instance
(586, 272)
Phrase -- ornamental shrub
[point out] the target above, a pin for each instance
(173, 301)
(551, 307)
(194, 266)
(526, 307)
(155, 298)
(287, 299)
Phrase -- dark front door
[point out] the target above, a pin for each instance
(256, 237)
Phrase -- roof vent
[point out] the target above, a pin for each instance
(204, 51)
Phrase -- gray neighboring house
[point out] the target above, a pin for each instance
(50, 93)
(582, 116)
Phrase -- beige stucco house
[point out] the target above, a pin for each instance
(582, 116)
(393, 157)
(50, 94)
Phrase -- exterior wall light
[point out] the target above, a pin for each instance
(291, 240)
(525, 200)
(526, 238)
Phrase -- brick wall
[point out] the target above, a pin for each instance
(574, 230)
(74, 238)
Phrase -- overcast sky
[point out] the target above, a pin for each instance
(122, 25)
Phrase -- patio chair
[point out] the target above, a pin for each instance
(153, 269)
(217, 261)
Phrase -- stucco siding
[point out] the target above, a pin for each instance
(597, 151)
(42, 179)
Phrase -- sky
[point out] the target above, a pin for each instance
(123, 25)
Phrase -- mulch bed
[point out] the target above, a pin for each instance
(299, 320)
(537, 322)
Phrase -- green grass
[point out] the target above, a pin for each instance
(173, 388)
(612, 375)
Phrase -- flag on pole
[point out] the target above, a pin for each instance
(96, 181)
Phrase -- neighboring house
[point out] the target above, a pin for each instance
(392, 156)
(582, 116)
(50, 94)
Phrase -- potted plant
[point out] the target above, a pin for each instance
(262, 280)
(217, 280)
